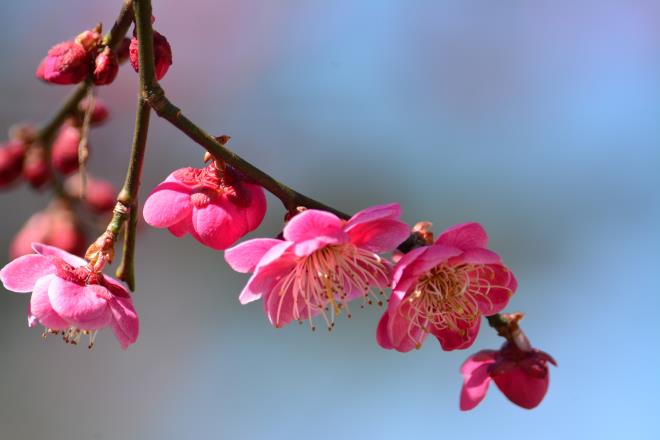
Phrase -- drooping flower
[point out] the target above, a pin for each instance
(217, 206)
(70, 297)
(321, 265)
(162, 55)
(522, 375)
(56, 226)
(443, 289)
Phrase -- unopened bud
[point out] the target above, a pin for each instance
(162, 55)
(35, 167)
(11, 162)
(100, 111)
(106, 67)
(66, 63)
(64, 154)
(90, 39)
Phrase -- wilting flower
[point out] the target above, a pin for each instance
(443, 289)
(70, 297)
(522, 375)
(215, 206)
(162, 55)
(322, 263)
(55, 226)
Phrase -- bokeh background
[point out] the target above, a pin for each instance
(538, 119)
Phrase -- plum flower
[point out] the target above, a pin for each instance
(70, 297)
(215, 206)
(322, 263)
(522, 375)
(443, 289)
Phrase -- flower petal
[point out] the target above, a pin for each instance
(183, 227)
(22, 274)
(522, 389)
(167, 204)
(382, 335)
(403, 263)
(476, 378)
(125, 322)
(254, 214)
(379, 235)
(404, 333)
(41, 309)
(244, 256)
(219, 224)
(457, 339)
(52, 251)
(464, 236)
(500, 285)
(265, 278)
(390, 211)
(83, 306)
(313, 229)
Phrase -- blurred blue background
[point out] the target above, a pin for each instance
(538, 119)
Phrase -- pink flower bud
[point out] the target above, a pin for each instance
(64, 154)
(100, 195)
(35, 167)
(107, 66)
(55, 226)
(66, 63)
(11, 162)
(99, 113)
(162, 55)
(90, 39)
(123, 49)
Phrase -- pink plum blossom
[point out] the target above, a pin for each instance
(70, 297)
(216, 207)
(443, 289)
(322, 263)
(522, 375)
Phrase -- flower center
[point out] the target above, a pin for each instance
(325, 281)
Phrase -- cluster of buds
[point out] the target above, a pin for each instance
(71, 62)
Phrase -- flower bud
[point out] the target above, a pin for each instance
(90, 39)
(99, 113)
(35, 167)
(11, 161)
(64, 154)
(66, 63)
(162, 55)
(100, 195)
(55, 226)
(123, 49)
(106, 67)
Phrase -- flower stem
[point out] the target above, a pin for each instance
(128, 196)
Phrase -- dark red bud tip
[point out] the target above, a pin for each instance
(11, 162)
(64, 154)
(66, 63)
(106, 67)
(100, 111)
(35, 167)
(162, 55)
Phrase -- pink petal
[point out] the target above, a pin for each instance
(125, 323)
(477, 256)
(501, 286)
(21, 274)
(279, 308)
(83, 306)
(219, 224)
(379, 235)
(313, 229)
(457, 339)
(464, 236)
(244, 256)
(432, 257)
(404, 334)
(41, 309)
(167, 204)
(265, 278)
(254, 214)
(390, 211)
(183, 227)
(52, 251)
(403, 263)
(382, 335)
(476, 378)
(522, 389)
